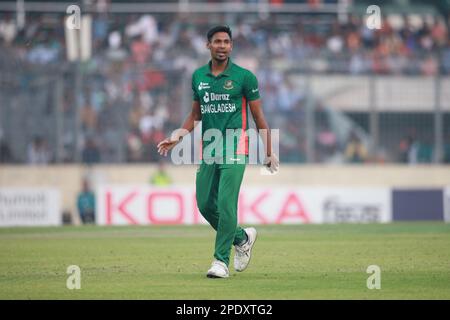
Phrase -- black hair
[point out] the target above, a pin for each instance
(216, 29)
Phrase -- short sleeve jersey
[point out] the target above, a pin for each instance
(224, 103)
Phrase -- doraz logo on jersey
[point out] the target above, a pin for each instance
(215, 97)
(206, 97)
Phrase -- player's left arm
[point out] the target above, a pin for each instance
(251, 93)
(271, 159)
(261, 125)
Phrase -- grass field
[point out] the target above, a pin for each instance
(170, 262)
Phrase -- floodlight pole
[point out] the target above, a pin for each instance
(373, 115)
(438, 125)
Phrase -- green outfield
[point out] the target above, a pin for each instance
(170, 262)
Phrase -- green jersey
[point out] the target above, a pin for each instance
(223, 103)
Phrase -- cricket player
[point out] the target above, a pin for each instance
(222, 94)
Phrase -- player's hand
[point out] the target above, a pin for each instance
(272, 163)
(167, 144)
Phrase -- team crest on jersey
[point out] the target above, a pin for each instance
(228, 85)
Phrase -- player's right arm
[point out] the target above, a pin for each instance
(189, 124)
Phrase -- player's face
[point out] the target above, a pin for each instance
(220, 46)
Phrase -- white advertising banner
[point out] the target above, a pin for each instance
(29, 207)
(447, 204)
(122, 205)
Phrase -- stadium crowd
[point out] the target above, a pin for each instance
(133, 84)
